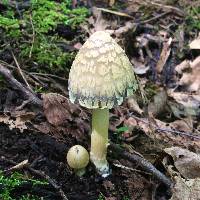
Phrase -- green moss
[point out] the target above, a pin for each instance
(34, 37)
(7, 184)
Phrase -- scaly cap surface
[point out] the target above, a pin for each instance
(101, 75)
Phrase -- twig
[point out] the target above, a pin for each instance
(167, 130)
(17, 166)
(41, 174)
(144, 164)
(16, 85)
(20, 71)
(166, 7)
(49, 75)
(129, 168)
(33, 73)
(115, 13)
(33, 37)
(154, 18)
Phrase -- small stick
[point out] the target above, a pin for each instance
(20, 71)
(39, 173)
(49, 75)
(154, 18)
(18, 166)
(115, 13)
(129, 168)
(144, 164)
(33, 37)
(167, 7)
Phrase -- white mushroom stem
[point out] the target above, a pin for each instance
(99, 140)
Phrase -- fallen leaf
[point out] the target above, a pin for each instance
(164, 55)
(186, 189)
(195, 44)
(184, 104)
(133, 105)
(191, 78)
(185, 161)
(182, 66)
(58, 109)
(162, 131)
(18, 121)
(131, 123)
(182, 125)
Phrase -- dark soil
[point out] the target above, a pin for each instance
(48, 155)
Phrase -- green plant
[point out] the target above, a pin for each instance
(192, 18)
(34, 36)
(101, 196)
(7, 184)
(122, 129)
(126, 198)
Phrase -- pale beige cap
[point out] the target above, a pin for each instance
(101, 75)
(77, 157)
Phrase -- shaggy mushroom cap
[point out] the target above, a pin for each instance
(101, 75)
(77, 157)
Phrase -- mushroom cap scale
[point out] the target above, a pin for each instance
(101, 75)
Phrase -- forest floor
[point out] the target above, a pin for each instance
(157, 129)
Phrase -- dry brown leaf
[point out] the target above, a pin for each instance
(133, 105)
(185, 161)
(182, 125)
(131, 123)
(195, 44)
(18, 121)
(164, 55)
(185, 104)
(162, 131)
(191, 79)
(58, 109)
(186, 189)
(182, 66)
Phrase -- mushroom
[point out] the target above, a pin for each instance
(100, 78)
(78, 159)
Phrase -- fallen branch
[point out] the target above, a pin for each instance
(38, 173)
(16, 85)
(144, 164)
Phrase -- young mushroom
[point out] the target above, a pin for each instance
(78, 159)
(100, 78)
